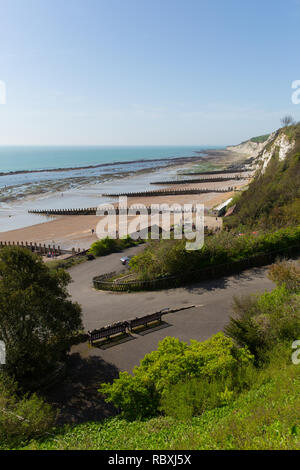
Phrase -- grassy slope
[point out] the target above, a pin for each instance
(266, 417)
(260, 139)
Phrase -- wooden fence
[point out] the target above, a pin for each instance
(210, 272)
(104, 283)
(43, 250)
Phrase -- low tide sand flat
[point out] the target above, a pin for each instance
(76, 231)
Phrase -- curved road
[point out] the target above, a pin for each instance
(212, 299)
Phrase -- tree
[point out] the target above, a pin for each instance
(37, 318)
(287, 120)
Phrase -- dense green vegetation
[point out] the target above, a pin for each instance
(262, 321)
(216, 364)
(38, 323)
(169, 257)
(265, 417)
(21, 416)
(37, 317)
(109, 245)
(211, 395)
(273, 197)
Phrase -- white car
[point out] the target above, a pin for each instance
(125, 260)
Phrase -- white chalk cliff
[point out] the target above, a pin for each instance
(259, 154)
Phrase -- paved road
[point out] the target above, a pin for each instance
(212, 298)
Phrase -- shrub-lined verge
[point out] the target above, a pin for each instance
(169, 257)
(109, 245)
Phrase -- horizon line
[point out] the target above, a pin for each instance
(114, 145)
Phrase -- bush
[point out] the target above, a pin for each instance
(21, 418)
(108, 245)
(169, 257)
(286, 273)
(127, 242)
(188, 399)
(216, 359)
(262, 321)
(104, 247)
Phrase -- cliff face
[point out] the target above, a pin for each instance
(250, 149)
(273, 197)
(279, 143)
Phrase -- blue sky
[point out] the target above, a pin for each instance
(141, 72)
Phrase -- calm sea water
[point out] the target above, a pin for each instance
(32, 191)
(36, 158)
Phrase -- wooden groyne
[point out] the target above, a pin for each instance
(50, 212)
(200, 180)
(103, 211)
(43, 250)
(170, 192)
(219, 172)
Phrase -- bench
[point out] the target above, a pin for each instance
(121, 327)
(107, 331)
(135, 322)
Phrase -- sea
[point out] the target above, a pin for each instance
(81, 175)
(37, 158)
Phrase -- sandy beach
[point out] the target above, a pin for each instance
(69, 232)
(76, 231)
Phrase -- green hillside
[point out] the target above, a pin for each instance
(273, 197)
(260, 139)
(240, 391)
(266, 417)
